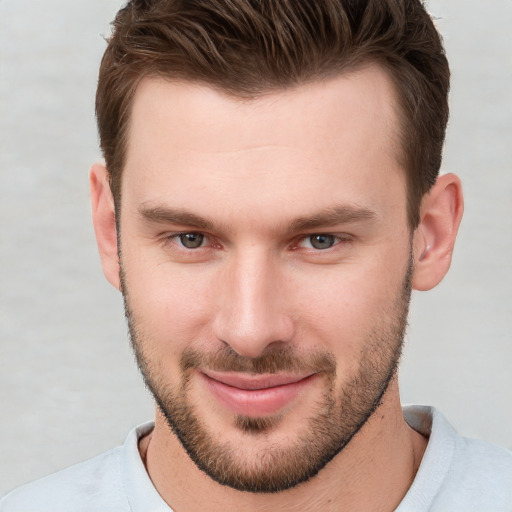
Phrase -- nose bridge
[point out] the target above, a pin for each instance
(251, 314)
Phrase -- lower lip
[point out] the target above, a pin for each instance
(256, 402)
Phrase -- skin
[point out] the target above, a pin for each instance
(256, 171)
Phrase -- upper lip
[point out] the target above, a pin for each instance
(254, 382)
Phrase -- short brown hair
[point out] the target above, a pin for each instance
(249, 47)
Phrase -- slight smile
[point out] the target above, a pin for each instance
(255, 395)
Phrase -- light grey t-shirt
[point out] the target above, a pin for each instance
(455, 475)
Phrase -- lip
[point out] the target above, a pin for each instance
(255, 395)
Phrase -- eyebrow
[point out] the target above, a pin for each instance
(345, 214)
(329, 217)
(175, 216)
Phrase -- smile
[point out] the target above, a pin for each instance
(255, 396)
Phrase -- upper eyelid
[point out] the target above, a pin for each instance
(177, 234)
(339, 239)
(174, 235)
(340, 236)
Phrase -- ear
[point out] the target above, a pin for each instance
(104, 220)
(434, 238)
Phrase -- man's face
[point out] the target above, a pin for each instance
(265, 257)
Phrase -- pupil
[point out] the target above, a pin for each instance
(321, 241)
(191, 240)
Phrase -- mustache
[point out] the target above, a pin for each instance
(272, 361)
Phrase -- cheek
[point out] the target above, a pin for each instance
(171, 306)
(342, 307)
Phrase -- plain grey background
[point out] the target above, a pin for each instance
(68, 386)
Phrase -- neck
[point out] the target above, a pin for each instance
(373, 472)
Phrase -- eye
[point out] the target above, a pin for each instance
(321, 241)
(191, 240)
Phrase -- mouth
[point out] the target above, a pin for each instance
(255, 395)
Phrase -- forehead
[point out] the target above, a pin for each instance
(367, 92)
(336, 137)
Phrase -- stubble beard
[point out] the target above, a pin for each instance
(335, 420)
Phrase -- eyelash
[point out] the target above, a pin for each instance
(175, 238)
(336, 239)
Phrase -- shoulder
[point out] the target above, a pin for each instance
(483, 471)
(115, 481)
(92, 485)
(457, 473)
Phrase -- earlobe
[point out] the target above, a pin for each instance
(434, 238)
(104, 220)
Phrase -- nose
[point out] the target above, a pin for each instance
(253, 312)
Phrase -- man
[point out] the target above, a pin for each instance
(271, 196)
